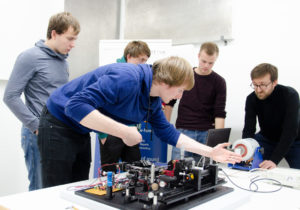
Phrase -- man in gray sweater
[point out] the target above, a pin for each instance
(36, 73)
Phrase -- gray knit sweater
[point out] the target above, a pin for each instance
(36, 73)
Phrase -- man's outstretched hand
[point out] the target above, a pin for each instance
(221, 154)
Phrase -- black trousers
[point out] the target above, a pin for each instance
(65, 153)
(114, 149)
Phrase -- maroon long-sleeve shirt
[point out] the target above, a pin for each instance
(199, 107)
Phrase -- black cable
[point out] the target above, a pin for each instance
(253, 183)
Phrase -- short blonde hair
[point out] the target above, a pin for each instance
(210, 48)
(173, 71)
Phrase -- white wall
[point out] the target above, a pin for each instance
(22, 24)
(13, 176)
(264, 31)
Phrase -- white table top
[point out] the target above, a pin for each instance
(60, 197)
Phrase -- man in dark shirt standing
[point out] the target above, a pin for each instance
(203, 107)
(277, 109)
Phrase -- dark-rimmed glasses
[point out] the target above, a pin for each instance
(261, 86)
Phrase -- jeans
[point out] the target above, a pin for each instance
(292, 157)
(199, 136)
(32, 158)
(65, 154)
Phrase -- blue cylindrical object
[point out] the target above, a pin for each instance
(110, 179)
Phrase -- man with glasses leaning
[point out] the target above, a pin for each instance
(277, 109)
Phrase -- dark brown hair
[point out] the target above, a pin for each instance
(263, 69)
(136, 48)
(61, 22)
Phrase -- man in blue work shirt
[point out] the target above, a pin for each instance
(109, 99)
(111, 148)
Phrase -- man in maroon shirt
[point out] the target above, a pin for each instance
(203, 107)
